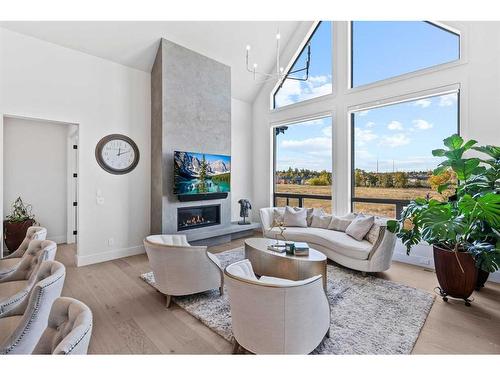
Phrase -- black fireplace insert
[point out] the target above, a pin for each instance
(197, 217)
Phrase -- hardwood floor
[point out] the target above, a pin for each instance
(131, 318)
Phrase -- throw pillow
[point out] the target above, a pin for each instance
(340, 223)
(321, 221)
(279, 214)
(360, 226)
(295, 218)
(374, 232)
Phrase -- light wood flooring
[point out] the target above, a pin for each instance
(131, 318)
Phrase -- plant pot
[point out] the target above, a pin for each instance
(14, 233)
(452, 280)
(482, 276)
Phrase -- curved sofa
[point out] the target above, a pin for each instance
(362, 255)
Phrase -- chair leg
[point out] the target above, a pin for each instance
(168, 299)
(221, 290)
(236, 347)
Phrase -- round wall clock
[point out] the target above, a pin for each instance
(117, 154)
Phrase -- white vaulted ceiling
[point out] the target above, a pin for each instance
(134, 44)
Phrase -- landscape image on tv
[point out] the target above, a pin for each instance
(196, 173)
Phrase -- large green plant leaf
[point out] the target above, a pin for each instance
(440, 224)
(464, 167)
(453, 142)
(493, 151)
(486, 255)
(486, 207)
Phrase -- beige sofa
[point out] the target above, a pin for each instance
(364, 255)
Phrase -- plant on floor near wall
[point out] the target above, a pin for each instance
(16, 224)
(462, 227)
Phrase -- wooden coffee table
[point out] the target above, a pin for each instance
(271, 263)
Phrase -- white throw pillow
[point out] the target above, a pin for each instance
(321, 221)
(340, 223)
(374, 232)
(360, 226)
(278, 214)
(295, 217)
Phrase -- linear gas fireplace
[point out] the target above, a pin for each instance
(197, 217)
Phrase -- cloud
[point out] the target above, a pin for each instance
(363, 136)
(396, 140)
(395, 125)
(363, 113)
(294, 91)
(308, 145)
(327, 131)
(369, 124)
(421, 124)
(447, 100)
(423, 103)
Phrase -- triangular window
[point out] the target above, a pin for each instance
(299, 86)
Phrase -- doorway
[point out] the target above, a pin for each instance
(40, 165)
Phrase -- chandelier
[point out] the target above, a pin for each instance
(279, 74)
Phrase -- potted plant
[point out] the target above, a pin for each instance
(463, 227)
(17, 223)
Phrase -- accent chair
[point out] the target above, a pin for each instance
(181, 269)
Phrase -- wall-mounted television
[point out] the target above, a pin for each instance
(201, 175)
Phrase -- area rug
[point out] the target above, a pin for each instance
(368, 315)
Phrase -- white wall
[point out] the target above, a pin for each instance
(477, 75)
(35, 168)
(241, 155)
(45, 81)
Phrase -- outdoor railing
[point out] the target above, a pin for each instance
(399, 203)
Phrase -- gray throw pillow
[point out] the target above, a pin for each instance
(295, 217)
(360, 226)
(321, 221)
(340, 223)
(279, 213)
(374, 232)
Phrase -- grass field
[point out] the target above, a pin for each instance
(361, 192)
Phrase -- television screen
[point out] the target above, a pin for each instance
(196, 173)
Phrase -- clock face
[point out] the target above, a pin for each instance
(117, 154)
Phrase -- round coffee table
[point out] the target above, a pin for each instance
(271, 263)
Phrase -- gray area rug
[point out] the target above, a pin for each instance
(368, 315)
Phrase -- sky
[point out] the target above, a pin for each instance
(403, 134)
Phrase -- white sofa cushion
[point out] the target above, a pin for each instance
(275, 280)
(360, 226)
(374, 232)
(295, 218)
(340, 223)
(337, 241)
(321, 221)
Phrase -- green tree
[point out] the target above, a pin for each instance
(203, 169)
(400, 180)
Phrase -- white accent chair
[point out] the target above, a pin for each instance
(22, 328)
(362, 255)
(69, 328)
(276, 316)
(15, 288)
(181, 269)
(9, 263)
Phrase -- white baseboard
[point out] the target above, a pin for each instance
(58, 239)
(428, 262)
(84, 260)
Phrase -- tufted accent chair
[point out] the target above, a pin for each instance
(69, 328)
(12, 261)
(181, 269)
(21, 328)
(15, 288)
(276, 316)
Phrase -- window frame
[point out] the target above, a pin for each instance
(452, 89)
(403, 76)
(296, 55)
(292, 122)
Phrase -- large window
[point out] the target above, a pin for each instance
(299, 86)
(303, 164)
(392, 159)
(385, 49)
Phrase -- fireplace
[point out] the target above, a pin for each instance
(197, 217)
